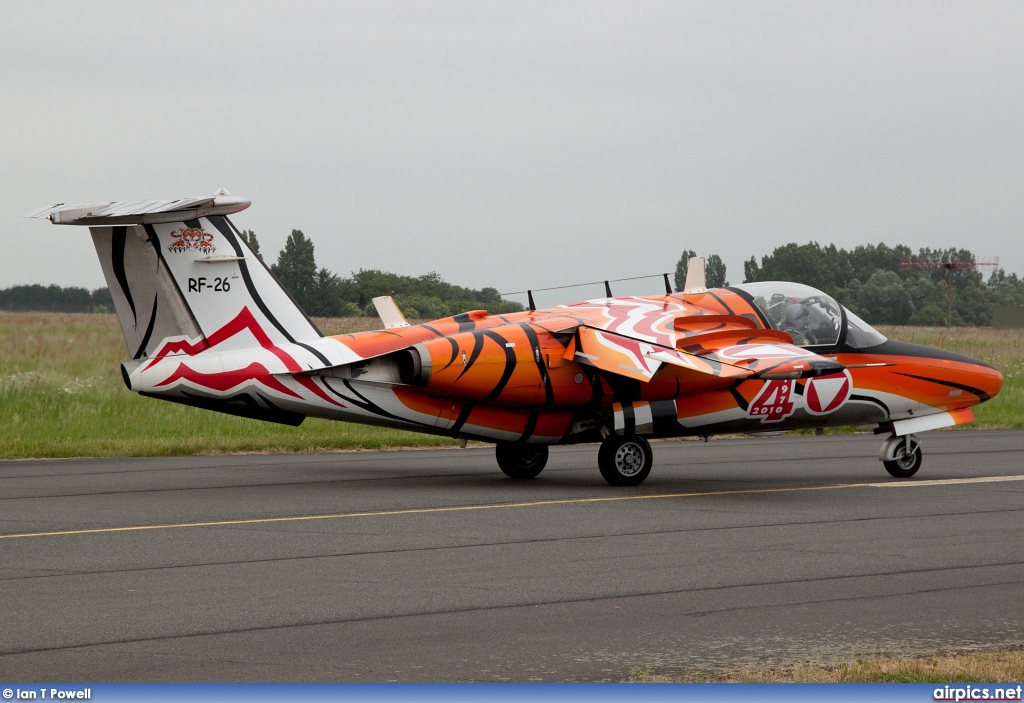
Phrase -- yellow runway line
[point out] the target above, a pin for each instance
(418, 511)
(499, 506)
(947, 481)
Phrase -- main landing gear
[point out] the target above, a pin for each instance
(521, 460)
(625, 460)
(901, 456)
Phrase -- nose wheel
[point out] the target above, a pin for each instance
(625, 461)
(901, 456)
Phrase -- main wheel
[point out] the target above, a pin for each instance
(905, 462)
(625, 461)
(521, 460)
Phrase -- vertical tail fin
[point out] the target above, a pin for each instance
(148, 304)
(219, 278)
(182, 278)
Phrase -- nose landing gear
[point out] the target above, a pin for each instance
(625, 460)
(901, 456)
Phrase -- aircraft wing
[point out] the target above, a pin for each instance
(727, 348)
(638, 359)
(772, 358)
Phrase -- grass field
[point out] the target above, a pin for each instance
(1002, 348)
(61, 395)
(987, 667)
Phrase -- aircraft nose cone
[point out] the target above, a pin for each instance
(971, 374)
(991, 380)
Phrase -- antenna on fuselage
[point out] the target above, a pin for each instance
(607, 287)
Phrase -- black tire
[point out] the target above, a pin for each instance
(904, 464)
(521, 460)
(625, 461)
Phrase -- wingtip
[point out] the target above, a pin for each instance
(43, 211)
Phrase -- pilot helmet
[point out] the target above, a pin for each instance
(796, 315)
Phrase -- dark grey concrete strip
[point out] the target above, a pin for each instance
(583, 591)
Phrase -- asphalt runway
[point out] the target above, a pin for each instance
(431, 565)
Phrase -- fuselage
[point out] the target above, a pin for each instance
(658, 366)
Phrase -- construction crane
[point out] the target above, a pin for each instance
(950, 266)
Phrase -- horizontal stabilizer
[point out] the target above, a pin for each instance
(142, 212)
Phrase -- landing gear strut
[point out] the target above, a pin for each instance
(901, 456)
(521, 460)
(625, 460)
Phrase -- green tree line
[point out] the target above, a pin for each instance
(35, 298)
(894, 285)
(882, 284)
(322, 293)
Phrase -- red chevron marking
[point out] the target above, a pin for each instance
(243, 321)
(227, 380)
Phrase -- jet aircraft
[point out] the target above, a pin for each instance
(208, 325)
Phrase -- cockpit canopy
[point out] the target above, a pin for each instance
(810, 317)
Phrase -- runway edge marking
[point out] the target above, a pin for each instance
(498, 506)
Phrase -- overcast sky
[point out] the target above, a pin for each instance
(520, 144)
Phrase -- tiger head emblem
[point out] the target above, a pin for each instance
(192, 239)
